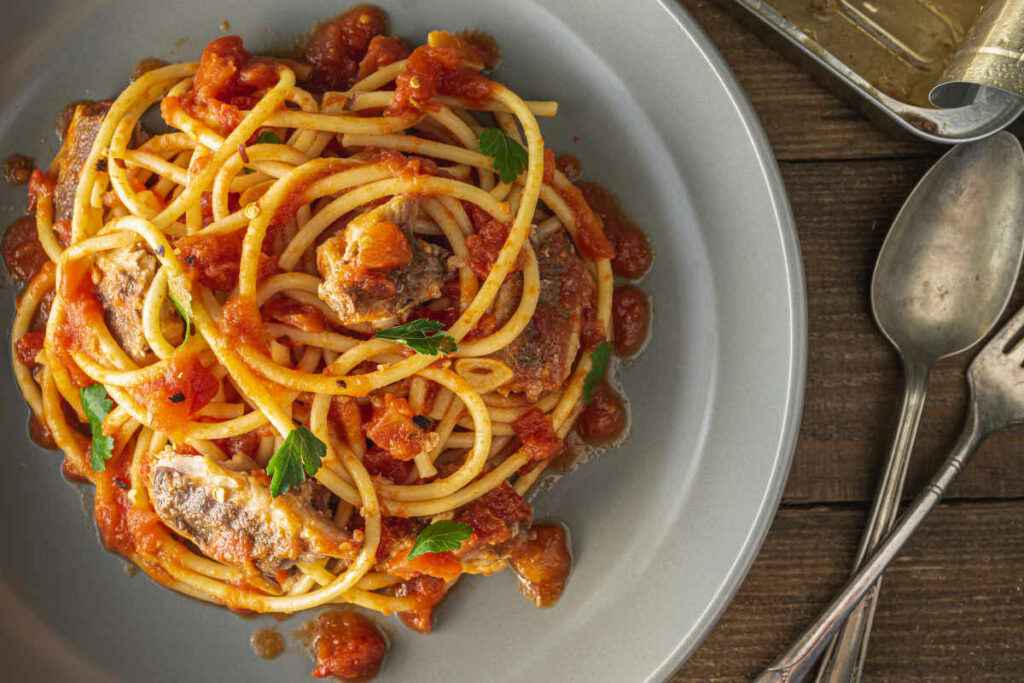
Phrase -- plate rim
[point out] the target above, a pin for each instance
(797, 289)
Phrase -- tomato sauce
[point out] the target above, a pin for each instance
(346, 645)
(603, 420)
(633, 255)
(124, 528)
(82, 314)
(631, 319)
(378, 462)
(23, 253)
(433, 71)
(337, 47)
(242, 323)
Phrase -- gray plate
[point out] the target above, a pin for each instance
(664, 528)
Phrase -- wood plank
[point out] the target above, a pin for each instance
(952, 606)
(803, 119)
(843, 211)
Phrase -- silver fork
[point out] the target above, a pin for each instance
(996, 381)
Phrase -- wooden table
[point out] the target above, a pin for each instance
(952, 607)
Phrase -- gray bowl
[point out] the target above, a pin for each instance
(664, 528)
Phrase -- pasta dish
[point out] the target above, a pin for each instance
(316, 339)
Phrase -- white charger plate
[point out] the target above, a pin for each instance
(664, 528)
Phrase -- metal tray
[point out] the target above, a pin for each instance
(888, 92)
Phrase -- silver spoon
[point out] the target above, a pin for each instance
(943, 279)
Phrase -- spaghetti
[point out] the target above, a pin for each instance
(315, 343)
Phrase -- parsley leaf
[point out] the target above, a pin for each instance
(422, 336)
(298, 456)
(598, 365)
(510, 159)
(440, 537)
(185, 315)
(268, 137)
(97, 405)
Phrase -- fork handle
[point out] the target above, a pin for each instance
(844, 660)
(794, 664)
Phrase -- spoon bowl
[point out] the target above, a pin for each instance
(947, 268)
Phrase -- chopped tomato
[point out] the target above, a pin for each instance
(284, 309)
(338, 46)
(440, 565)
(227, 82)
(539, 439)
(383, 246)
(428, 592)
(23, 253)
(213, 260)
(590, 237)
(183, 389)
(432, 71)
(383, 50)
(486, 242)
(633, 254)
(631, 317)
(542, 560)
(346, 645)
(397, 536)
(28, 347)
(495, 517)
(380, 463)
(477, 48)
(393, 429)
(604, 418)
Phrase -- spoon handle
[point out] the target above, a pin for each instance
(844, 660)
(794, 664)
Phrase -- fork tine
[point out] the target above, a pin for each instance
(1010, 329)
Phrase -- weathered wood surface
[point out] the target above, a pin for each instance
(952, 605)
(952, 609)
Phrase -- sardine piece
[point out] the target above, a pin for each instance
(380, 297)
(232, 518)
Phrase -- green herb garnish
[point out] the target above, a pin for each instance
(185, 316)
(440, 537)
(298, 456)
(598, 365)
(268, 137)
(422, 336)
(510, 159)
(97, 405)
